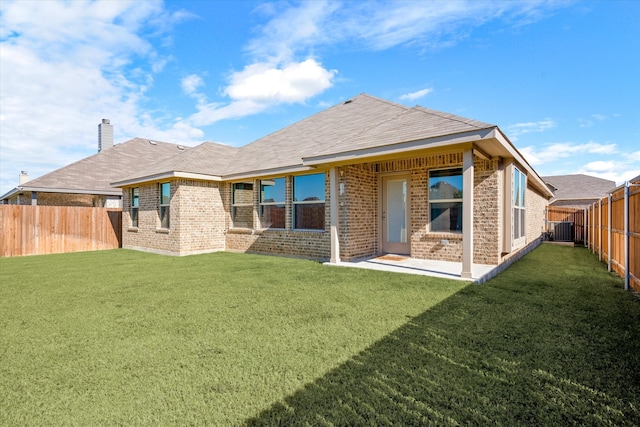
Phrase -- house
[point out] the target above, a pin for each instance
(87, 182)
(577, 191)
(364, 177)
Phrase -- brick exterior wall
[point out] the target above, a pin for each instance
(358, 211)
(64, 199)
(535, 205)
(201, 215)
(196, 219)
(287, 242)
(487, 211)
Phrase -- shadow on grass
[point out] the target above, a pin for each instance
(552, 341)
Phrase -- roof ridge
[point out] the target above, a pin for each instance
(454, 117)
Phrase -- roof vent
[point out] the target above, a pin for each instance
(349, 101)
(153, 142)
(180, 147)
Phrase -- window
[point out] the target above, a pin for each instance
(445, 200)
(308, 202)
(242, 205)
(519, 191)
(135, 203)
(165, 200)
(272, 203)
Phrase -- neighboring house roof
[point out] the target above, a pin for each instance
(361, 127)
(578, 187)
(93, 174)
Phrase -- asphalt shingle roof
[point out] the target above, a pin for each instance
(579, 186)
(96, 172)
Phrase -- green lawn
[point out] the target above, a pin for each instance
(122, 337)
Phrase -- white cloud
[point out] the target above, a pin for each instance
(516, 130)
(618, 170)
(553, 152)
(587, 123)
(261, 85)
(295, 82)
(381, 25)
(416, 95)
(66, 65)
(191, 83)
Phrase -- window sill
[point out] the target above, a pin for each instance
(240, 231)
(132, 229)
(162, 230)
(444, 235)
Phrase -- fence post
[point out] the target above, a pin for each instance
(599, 229)
(626, 236)
(586, 229)
(609, 228)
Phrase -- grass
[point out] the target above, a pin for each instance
(122, 337)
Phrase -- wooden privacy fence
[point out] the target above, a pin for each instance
(38, 230)
(613, 231)
(565, 224)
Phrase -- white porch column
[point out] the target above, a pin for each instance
(333, 192)
(467, 214)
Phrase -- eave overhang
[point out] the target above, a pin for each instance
(370, 154)
(165, 175)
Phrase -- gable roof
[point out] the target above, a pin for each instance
(412, 124)
(288, 146)
(202, 161)
(94, 174)
(363, 122)
(358, 129)
(578, 187)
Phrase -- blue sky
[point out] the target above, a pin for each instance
(559, 78)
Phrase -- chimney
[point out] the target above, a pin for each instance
(24, 177)
(105, 135)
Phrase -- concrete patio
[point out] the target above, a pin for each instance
(405, 264)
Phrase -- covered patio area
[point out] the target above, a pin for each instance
(404, 264)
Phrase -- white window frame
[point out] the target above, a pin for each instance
(295, 203)
(438, 201)
(515, 239)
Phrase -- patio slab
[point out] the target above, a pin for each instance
(403, 264)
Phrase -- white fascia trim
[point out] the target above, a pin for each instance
(263, 173)
(165, 175)
(502, 138)
(441, 141)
